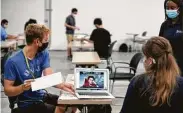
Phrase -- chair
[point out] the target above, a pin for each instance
(110, 50)
(132, 66)
(144, 33)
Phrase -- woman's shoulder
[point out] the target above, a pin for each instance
(140, 80)
(180, 81)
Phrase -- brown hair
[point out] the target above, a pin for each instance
(163, 72)
(34, 31)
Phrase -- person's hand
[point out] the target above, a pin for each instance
(67, 87)
(77, 28)
(27, 84)
(82, 39)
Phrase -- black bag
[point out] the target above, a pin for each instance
(100, 109)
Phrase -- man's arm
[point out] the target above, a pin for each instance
(88, 40)
(69, 26)
(11, 90)
(11, 37)
(91, 40)
(9, 79)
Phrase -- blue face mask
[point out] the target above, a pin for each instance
(172, 13)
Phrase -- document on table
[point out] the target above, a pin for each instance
(67, 96)
(47, 81)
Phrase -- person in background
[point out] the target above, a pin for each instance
(172, 28)
(30, 21)
(70, 25)
(101, 39)
(28, 64)
(160, 88)
(4, 35)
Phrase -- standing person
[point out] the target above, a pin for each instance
(101, 39)
(4, 34)
(172, 28)
(25, 66)
(160, 88)
(70, 25)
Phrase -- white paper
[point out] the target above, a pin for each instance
(47, 81)
(67, 96)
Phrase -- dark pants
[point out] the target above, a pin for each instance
(48, 106)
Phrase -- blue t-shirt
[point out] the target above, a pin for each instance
(4, 34)
(16, 69)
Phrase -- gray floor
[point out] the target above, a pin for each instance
(59, 63)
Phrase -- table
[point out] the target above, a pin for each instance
(81, 45)
(85, 58)
(70, 79)
(8, 43)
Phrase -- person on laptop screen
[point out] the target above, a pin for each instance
(90, 82)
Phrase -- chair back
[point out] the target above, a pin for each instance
(135, 60)
(12, 100)
(144, 33)
(4, 59)
(111, 48)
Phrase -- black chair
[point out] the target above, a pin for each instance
(132, 66)
(109, 58)
(144, 33)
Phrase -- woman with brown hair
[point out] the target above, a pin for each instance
(160, 88)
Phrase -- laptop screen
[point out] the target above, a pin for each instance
(91, 79)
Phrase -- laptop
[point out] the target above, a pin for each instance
(92, 83)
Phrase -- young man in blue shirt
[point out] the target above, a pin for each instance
(4, 35)
(28, 64)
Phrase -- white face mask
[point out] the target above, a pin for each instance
(5, 26)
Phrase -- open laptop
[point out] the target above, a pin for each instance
(92, 83)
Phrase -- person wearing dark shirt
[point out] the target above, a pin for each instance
(172, 28)
(70, 25)
(30, 21)
(101, 39)
(160, 88)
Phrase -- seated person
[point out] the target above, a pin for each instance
(90, 82)
(101, 39)
(28, 64)
(4, 35)
(30, 21)
(160, 88)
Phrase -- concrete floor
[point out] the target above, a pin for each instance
(59, 63)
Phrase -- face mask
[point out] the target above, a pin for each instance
(43, 47)
(172, 13)
(5, 26)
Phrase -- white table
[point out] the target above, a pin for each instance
(86, 58)
(81, 45)
(8, 43)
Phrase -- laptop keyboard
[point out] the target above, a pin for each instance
(93, 93)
